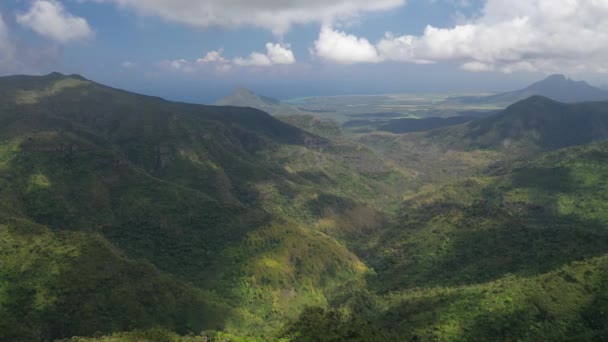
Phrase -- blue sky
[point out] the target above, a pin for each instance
(199, 50)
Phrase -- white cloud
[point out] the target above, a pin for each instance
(507, 35)
(20, 57)
(276, 54)
(280, 54)
(275, 15)
(254, 59)
(213, 57)
(49, 19)
(339, 47)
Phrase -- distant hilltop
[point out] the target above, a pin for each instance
(556, 87)
(243, 97)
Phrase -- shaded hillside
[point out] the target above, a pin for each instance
(229, 217)
(542, 123)
(556, 87)
(525, 128)
(243, 97)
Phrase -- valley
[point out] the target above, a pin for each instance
(127, 217)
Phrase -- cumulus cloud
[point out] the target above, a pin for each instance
(280, 54)
(254, 59)
(339, 47)
(213, 57)
(181, 65)
(276, 54)
(275, 15)
(507, 35)
(50, 19)
(17, 56)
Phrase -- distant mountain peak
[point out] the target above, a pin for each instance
(243, 94)
(244, 97)
(556, 87)
(241, 90)
(556, 77)
(555, 80)
(560, 87)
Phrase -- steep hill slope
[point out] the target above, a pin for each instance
(520, 254)
(231, 219)
(555, 87)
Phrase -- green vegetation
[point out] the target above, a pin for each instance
(325, 128)
(246, 216)
(129, 218)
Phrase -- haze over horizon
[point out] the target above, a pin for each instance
(200, 52)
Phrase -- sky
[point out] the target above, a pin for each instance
(199, 50)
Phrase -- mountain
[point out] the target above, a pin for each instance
(120, 211)
(541, 123)
(556, 87)
(243, 97)
(528, 127)
(136, 218)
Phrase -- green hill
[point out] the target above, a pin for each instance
(519, 254)
(136, 218)
(211, 208)
(556, 87)
(524, 129)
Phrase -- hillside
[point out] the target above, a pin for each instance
(243, 97)
(229, 218)
(518, 254)
(528, 127)
(555, 87)
(325, 128)
(136, 218)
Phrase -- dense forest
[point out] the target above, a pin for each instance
(125, 217)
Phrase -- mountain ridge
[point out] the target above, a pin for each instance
(239, 216)
(557, 87)
(143, 219)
